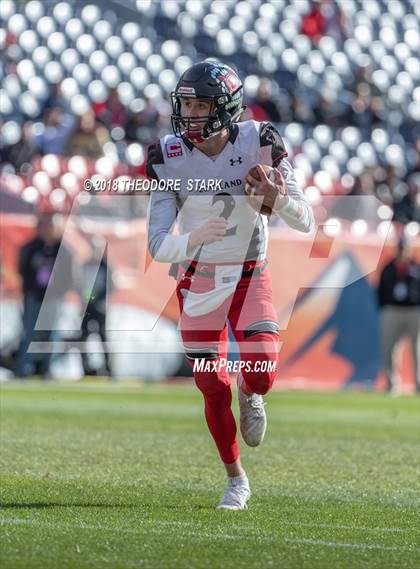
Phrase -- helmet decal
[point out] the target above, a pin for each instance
(186, 90)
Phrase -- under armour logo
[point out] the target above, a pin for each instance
(238, 161)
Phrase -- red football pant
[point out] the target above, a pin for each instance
(207, 337)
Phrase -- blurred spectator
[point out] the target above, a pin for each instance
(364, 184)
(314, 23)
(88, 138)
(55, 99)
(57, 129)
(153, 120)
(368, 105)
(21, 153)
(94, 319)
(399, 300)
(142, 126)
(335, 112)
(111, 112)
(302, 108)
(36, 262)
(134, 128)
(264, 108)
(150, 113)
(164, 109)
(366, 110)
(384, 180)
(406, 200)
(402, 195)
(336, 24)
(363, 80)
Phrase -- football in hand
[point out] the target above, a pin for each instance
(257, 200)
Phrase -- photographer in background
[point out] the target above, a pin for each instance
(36, 262)
(399, 300)
(94, 319)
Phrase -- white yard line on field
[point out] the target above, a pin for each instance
(346, 527)
(300, 524)
(351, 545)
(100, 527)
(207, 535)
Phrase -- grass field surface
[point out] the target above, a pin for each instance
(114, 476)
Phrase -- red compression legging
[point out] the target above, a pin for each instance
(207, 337)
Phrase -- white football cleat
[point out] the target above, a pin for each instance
(236, 495)
(253, 421)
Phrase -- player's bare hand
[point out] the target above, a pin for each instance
(272, 188)
(213, 230)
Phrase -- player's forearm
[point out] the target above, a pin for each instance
(193, 241)
(169, 248)
(296, 213)
(293, 207)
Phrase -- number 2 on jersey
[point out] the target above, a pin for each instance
(228, 207)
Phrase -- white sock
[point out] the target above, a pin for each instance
(242, 386)
(241, 478)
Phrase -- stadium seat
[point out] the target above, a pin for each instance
(90, 14)
(41, 56)
(98, 60)
(130, 32)
(7, 9)
(17, 24)
(102, 30)
(62, 12)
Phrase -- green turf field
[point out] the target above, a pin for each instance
(112, 477)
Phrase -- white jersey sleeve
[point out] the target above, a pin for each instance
(161, 217)
(296, 211)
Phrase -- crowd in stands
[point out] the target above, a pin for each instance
(369, 125)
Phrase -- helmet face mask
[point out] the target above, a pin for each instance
(213, 82)
(193, 127)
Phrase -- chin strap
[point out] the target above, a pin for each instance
(199, 136)
(195, 137)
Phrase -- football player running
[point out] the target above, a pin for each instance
(219, 254)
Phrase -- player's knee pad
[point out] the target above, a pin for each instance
(201, 353)
(264, 335)
(209, 379)
(264, 370)
(262, 327)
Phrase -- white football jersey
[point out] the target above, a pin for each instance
(213, 186)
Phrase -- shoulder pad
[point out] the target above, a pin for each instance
(269, 136)
(154, 156)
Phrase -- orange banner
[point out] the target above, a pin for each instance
(330, 329)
